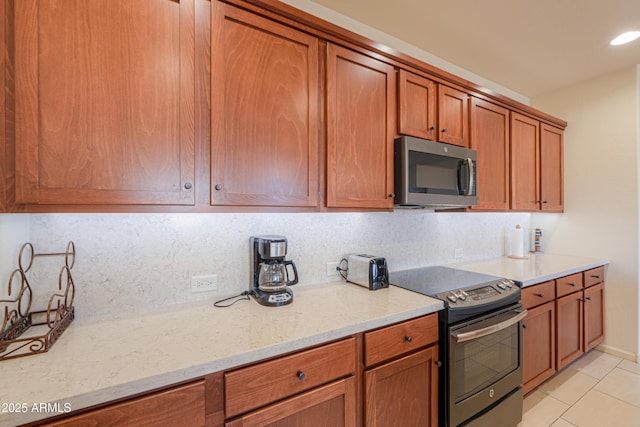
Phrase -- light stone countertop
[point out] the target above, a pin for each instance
(97, 362)
(536, 268)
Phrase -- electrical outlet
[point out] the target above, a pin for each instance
(332, 268)
(458, 253)
(206, 283)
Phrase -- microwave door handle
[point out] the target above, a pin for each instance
(471, 170)
(483, 332)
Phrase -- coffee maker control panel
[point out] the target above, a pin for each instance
(277, 249)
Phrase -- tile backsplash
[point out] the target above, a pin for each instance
(142, 262)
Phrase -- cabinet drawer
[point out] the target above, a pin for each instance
(178, 406)
(398, 339)
(569, 284)
(538, 294)
(255, 386)
(593, 276)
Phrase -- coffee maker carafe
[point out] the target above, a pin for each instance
(270, 273)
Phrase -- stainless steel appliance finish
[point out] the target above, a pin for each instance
(480, 344)
(368, 271)
(270, 279)
(434, 174)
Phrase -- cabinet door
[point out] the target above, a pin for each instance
(524, 163)
(593, 316)
(264, 111)
(453, 116)
(417, 100)
(182, 406)
(490, 137)
(569, 332)
(551, 169)
(403, 392)
(6, 108)
(105, 102)
(538, 346)
(360, 130)
(332, 405)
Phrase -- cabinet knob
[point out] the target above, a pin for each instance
(218, 187)
(188, 185)
(438, 363)
(524, 326)
(587, 299)
(392, 195)
(432, 128)
(408, 338)
(444, 129)
(300, 375)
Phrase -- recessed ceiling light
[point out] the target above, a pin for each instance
(625, 38)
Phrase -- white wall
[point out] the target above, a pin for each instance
(601, 191)
(14, 231)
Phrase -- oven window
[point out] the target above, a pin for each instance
(482, 361)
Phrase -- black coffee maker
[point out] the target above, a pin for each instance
(270, 276)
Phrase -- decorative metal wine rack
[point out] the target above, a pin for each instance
(26, 332)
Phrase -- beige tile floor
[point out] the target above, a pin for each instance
(597, 390)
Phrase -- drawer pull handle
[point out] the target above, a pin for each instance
(408, 338)
(572, 284)
(539, 295)
(595, 276)
(300, 375)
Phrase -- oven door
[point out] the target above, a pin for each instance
(485, 362)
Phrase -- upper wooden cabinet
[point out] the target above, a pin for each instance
(551, 168)
(453, 116)
(264, 111)
(536, 165)
(361, 100)
(432, 111)
(417, 103)
(104, 102)
(525, 174)
(490, 137)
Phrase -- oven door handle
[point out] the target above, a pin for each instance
(483, 332)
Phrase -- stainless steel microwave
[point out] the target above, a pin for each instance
(434, 174)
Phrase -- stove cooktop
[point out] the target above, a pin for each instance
(457, 288)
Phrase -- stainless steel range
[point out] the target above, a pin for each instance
(480, 344)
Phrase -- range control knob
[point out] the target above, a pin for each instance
(502, 286)
(510, 284)
(462, 295)
(451, 297)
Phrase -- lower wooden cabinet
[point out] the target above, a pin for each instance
(538, 342)
(401, 375)
(580, 318)
(403, 392)
(182, 406)
(565, 320)
(593, 316)
(327, 406)
(569, 328)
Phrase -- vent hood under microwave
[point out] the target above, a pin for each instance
(434, 175)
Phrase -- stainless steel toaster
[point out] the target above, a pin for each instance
(368, 271)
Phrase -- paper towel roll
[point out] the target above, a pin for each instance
(516, 242)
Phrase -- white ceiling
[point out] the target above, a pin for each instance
(528, 46)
